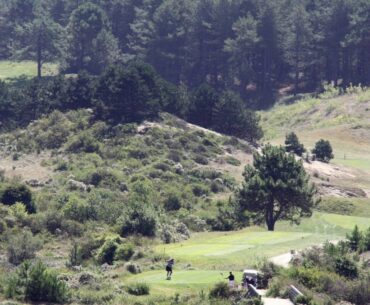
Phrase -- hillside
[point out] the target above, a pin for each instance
(85, 174)
(343, 120)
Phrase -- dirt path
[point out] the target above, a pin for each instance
(282, 260)
(276, 301)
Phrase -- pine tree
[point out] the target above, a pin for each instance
(276, 187)
(297, 42)
(323, 151)
(91, 45)
(242, 50)
(40, 40)
(292, 144)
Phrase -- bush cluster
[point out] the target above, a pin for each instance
(36, 283)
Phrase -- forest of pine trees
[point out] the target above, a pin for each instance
(252, 47)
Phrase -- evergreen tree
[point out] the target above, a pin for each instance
(323, 151)
(91, 45)
(292, 144)
(354, 238)
(276, 187)
(203, 101)
(40, 40)
(242, 50)
(297, 42)
(230, 116)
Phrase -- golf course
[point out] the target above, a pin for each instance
(202, 259)
(207, 257)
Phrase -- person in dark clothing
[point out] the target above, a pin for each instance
(231, 279)
(169, 266)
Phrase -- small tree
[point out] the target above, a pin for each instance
(292, 144)
(323, 151)
(354, 238)
(18, 193)
(277, 187)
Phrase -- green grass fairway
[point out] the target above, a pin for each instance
(211, 253)
(188, 280)
(11, 69)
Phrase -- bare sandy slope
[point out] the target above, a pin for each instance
(26, 168)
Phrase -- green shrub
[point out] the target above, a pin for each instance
(84, 142)
(201, 160)
(133, 268)
(18, 193)
(309, 277)
(323, 151)
(293, 145)
(172, 202)
(75, 256)
(22, 246)
(354, 238)
(107, 252)
(346, 267)
(220, 291)
(124, 252)
(200, 190)
(138, 289)
(3, 226)
(232, 161)
(138, 219)
(78, 209)
(36, 283)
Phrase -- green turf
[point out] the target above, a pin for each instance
(11, 69)
(211, 253)
(182, 280)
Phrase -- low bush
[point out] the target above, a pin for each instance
(22, 246)
(172, 202)
(124, 252)
(14, 193)
(220, 291)
(138, 219)
(84, 142)
(133, 268)
(107, 252)
(36, 283)
(201, 160)
(346, 267)
(78, 209)
(139, 289)
(232, 161)
(200, 190)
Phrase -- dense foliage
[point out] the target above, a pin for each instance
(36, 283)
(293, 145)
(253, 47)
(123, 94)
(277, 187)
(323, 151)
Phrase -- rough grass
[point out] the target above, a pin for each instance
(10, 70)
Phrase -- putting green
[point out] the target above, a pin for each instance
(181, 280)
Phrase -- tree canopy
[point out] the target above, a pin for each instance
(276, 187)
(253, 47)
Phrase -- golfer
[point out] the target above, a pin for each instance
(169, 266)
(231, 279)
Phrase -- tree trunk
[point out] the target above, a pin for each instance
(271, 225)
(270, 220)
(39, 58)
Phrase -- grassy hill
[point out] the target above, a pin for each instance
(84, 173)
